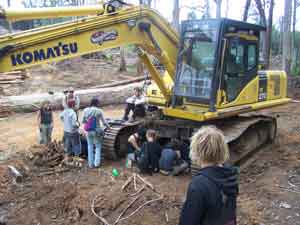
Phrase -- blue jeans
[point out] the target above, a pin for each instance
(94, 157)
(45, 133)
(72, 144)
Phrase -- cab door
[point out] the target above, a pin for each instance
(240, 66)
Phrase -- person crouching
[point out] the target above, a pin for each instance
(148, 160)
(72, 144)
(212, 193)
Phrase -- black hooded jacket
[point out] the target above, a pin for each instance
(211, 197)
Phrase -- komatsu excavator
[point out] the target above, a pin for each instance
(211, 69)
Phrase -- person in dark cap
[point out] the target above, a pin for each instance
(94, 125)
(136, 104)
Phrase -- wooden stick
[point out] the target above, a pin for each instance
(139, 191)
(139, 208)
(123, 212)
(167, 217)
(53, 172)
(134, 181)
(104, 221)
(146, 182)
(126, 183)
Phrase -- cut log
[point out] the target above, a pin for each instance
(119, 83)
(12, 82)
(107, 96)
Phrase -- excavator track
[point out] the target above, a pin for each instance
(245, 135)
(115, 138)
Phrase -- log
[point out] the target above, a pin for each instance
(107, 96)
(12, 82)
(119, 83)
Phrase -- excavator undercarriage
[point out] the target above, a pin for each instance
(245, 134)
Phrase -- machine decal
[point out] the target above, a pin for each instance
(43, 54)
(101, 36)
(262, 86)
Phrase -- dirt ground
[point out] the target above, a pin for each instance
(269, 183)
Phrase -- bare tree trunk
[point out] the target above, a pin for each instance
(206, 14)
(286, 51)
(263, 22)
(122, 61)
(269, 33)
(218, 8)
(227, 8)
(154, 4)
(246, 10)
(295, 3)
(176, 12)
(261, 11)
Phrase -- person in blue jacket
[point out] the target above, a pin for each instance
(212, 193)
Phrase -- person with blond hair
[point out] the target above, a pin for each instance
(212, 193)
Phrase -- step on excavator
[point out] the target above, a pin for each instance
(210, 76)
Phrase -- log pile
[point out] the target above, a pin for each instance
(50, 155)
(14, 77)
(51, 159)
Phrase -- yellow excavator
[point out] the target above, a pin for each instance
(211, 71)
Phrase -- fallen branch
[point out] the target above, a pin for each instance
(139, 191)
(146, 182)
(139, 208)
(53, 172)
(104, 221)
(126, 183)
(123, 212)
(134, 181)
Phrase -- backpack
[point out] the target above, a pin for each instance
(91, 124)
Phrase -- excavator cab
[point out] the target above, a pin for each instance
(217, 59)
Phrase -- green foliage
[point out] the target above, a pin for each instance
(295, 71)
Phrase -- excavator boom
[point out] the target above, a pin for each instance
(138, 26)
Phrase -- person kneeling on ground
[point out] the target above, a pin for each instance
(72, 145)
(92, 116)
(135, 142)
(136, 104)
(170, 160)
(212, 193)
(45, 122)
(148, 160)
